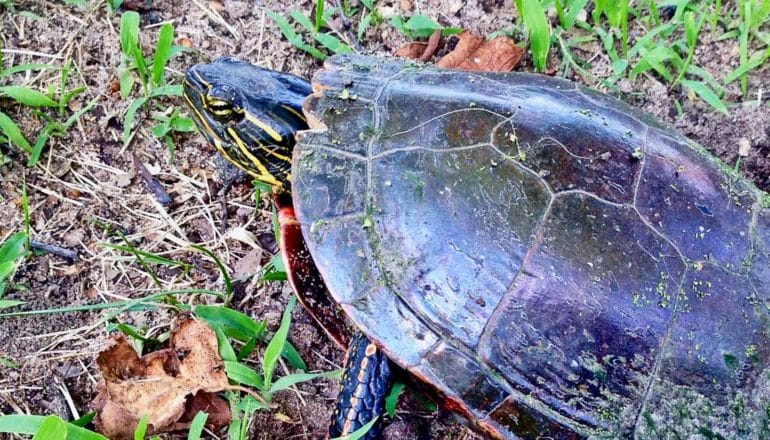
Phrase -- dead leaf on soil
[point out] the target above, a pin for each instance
(472, 53)
(162, 384)
(412, 50)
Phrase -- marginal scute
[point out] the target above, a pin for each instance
(757, 263)
(515, 415)
(471, 383)
(380, 312)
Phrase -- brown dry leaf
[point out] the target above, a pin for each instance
(412, 50)
(418, 50)
(216, 407)
(472, 53)
(160, 384)
(467, 44)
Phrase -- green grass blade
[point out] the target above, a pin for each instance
(162, 52)
(293, 357)
(129, 121)
(752, 64)
(319, 14)
(303, 21)
(222, 269)
(148, 257)
(237, 372)
(539, 32)
(129, 32)
(235, 324)
(196, 426)
(85, 419)
(126, 81)
(27, 96)
(332, 43)
(293, 38)
(29, 425)
(293, 379)
(52, 428)
(275, 347)
(122, 306)
(392, 399)
(141, 428)
(571, 13)
(706, 94)
(5, 303)
(169, 90)
(358, 433)
(743, 43)
(26, 67)
(420, 25)
(226, 350)
(363, 25)
(10, 130)
(14, 247)
(42, 139)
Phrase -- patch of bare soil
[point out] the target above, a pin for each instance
(86, 189)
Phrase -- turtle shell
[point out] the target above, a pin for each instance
(550, 260)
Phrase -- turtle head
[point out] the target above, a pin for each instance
(249, 114)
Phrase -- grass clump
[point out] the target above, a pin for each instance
(666, 49)
(51, 107)
(150, 73)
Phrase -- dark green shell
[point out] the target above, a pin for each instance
(549, 259)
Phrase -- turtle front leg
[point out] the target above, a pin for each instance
(365, 384)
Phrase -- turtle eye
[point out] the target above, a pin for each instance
(223, 111)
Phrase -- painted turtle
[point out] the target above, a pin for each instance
(548, 260)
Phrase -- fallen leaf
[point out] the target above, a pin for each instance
(473, 53)
(419, 50)
(216, 407)
(412, 50)
(466, 45)
(500, 54)
(160, 384)
(433, 44)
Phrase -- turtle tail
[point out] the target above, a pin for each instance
(365, 384)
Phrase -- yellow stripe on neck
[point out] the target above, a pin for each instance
(268, 129)
(296, 113)
(264, 174)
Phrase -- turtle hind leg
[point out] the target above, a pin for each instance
(365, 384)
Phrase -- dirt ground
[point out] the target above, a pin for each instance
(86, 187)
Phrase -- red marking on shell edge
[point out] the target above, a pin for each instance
(286, 216)
(489, 430)
(371, 349)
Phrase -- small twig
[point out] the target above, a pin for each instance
(249, 392)
(430, 49)
(347, 26)
(53, 249)
(152, 184)
(223, 204)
